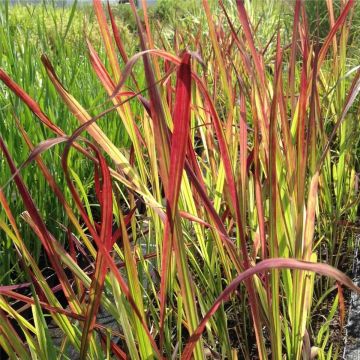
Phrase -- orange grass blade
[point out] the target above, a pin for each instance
(108, 42)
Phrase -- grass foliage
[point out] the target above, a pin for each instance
(196, 184)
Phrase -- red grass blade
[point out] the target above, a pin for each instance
(157, 111)
(294, 44)
(249, 38)
(97, 284)
(34, 107)
(330, 36)
(117, 37)
(31, 103)
(181, 119)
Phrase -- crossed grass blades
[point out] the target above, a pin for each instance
(241, 148)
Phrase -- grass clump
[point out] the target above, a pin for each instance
(203, 231)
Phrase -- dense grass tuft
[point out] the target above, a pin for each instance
(196, 184)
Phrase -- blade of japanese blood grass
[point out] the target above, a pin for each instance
(124, 109)
(302, 146)
(243, 142)
(339, 22)
(343, 171)
(173, 232)
(304, 32)
(311, 123)
(158, 114)
(329, 5)
(132, 201)
(155, 180)
(214, 217)
(108, 83)
(11, 218)
(259, 79)
(286, 139)
(97, 283)
(241, 46)
(275, 325)
(169, 88)
(116, 34)
(34, 107)
(310, 217)
(257, 183)
(45, 238)
(150, 38)
(341, 305)
(147, 24)
(219, 56)
(108, 42)
(294, 45)
(262, 267)
(194, 207)
(250, 40)
(99, 67)
(119, 43)
(302, 282)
